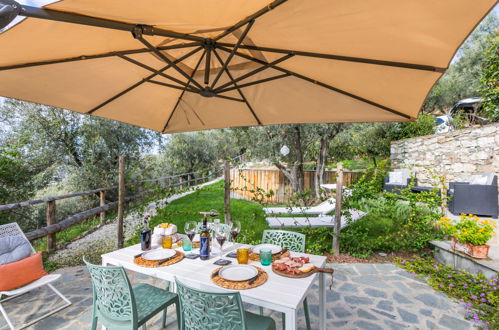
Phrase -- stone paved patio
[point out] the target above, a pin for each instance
(364, 296)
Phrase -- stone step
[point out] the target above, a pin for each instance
(447, 256)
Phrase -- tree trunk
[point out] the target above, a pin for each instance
(321, 165)
(298, 168)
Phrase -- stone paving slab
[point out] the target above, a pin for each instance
(363, 296)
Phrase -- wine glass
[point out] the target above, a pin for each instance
(221, 234)
(235, 229)
(190, 229)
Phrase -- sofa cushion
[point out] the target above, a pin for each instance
(14, 248)
(396, 178)
(22, 272)
(479, 179)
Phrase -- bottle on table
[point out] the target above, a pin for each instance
(204, 241)
(145, 236)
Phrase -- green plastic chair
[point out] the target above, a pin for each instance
(118, 305)
(217, 311)
(293, 242)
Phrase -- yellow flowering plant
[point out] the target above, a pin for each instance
(468, 229)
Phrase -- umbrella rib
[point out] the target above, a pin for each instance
(239, 90)
(92, 57)
(231, 55)
(152, 75)
(189, 89)
(228, 98)
(340, 58)
(138, 36)
(259, 13)
(297, 75)
(251, 73)
(183, 92)
(284, 75)
(62, 16)
(144, 66)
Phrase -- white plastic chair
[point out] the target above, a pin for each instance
(12, 229)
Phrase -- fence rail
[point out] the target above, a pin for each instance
(245, 181)
(53, 227)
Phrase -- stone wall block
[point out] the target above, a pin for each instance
(459, 154)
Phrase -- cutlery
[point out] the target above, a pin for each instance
(253, 279)
(215, 274)
(165, 260)
(138, 255)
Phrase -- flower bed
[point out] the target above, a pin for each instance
(479, 294)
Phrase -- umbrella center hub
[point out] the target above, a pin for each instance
(207, 92)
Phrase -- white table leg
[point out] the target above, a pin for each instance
(322, 301)
(290, 316)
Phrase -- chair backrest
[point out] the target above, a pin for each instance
(210, 310)
(112, 293)
(287, 239)
(13, 229)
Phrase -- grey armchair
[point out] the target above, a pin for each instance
(398, 182)
(479, 196)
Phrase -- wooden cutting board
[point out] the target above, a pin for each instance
(303, 275)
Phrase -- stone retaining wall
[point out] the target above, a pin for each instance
(456, 155)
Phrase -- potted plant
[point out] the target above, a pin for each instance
(469, 234)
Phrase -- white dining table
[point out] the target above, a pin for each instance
(279, 293)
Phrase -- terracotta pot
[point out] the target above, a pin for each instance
(475, 251)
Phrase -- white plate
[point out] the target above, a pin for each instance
(238, 272)
(158, 254)
(275, 248)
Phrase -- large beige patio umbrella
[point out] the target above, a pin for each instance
(183, 65)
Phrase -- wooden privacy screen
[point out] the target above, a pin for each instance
(245, 182)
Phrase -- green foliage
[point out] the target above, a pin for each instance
(489, 79)
(480, 295)
(462, 79)
(393, 222)
(424, 125)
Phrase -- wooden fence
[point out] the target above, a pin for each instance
(246, 182)
(139, 189)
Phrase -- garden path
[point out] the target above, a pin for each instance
(363, 296)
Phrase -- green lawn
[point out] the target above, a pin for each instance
(209, 198)
(357, 238)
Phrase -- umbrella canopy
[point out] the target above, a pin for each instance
(184, 65)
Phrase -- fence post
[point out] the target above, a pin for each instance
(121, 199)
(228, 220)
(102, 202)
(50, 215)
(337, 221)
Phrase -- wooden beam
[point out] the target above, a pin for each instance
(337, 220)
(121, 199)
(51, 239)
(227, 217)
(102, 202)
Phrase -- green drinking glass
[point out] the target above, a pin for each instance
(265, 257)
(186, 244)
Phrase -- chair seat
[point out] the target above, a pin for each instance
(33, 285)
(259, 322)
(150, 300)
